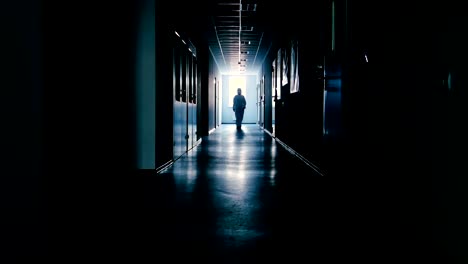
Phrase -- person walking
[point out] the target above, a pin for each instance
(238, 107)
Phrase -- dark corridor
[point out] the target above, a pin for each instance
(112, 148)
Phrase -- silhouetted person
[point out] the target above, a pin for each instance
(238, 107)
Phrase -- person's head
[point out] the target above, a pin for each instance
(239, 91)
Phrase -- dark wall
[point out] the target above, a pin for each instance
(164, 86)
(402, 118)
(89, 84)
(89, 104)
(428, 117)
(298, 116)
(22, 181)
(145, 81)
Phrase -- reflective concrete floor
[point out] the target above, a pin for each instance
(237, 197)
(240, 197)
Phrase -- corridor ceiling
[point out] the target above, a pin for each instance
(232, 29)
(235, 38)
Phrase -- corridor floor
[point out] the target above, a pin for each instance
(240, 197)
(237, 197)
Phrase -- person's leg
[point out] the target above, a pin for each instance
(241, 117)
(238, 119)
